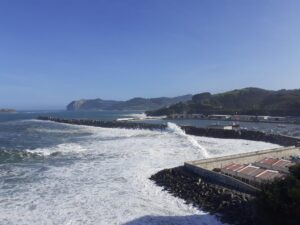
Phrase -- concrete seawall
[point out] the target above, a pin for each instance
(222, 179)
(204, 168)
(243, 158)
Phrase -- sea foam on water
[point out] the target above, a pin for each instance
(103, 178)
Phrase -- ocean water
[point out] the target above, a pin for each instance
(54, 173)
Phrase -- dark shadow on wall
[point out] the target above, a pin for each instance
(175, 220)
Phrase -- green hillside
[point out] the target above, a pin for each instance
(251, 101)
(132, 104)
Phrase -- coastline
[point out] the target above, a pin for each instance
(224, 207)
(229, 206)
(196, 131)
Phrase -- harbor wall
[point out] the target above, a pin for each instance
(243, 134)
(197, 131)
(245, 158)
(204, 168)
(222, 179)
(105, 124)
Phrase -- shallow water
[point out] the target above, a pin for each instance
(64, 174)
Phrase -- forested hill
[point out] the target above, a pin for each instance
(132, 104)
(247, 101)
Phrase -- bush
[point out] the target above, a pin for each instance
(279, 202)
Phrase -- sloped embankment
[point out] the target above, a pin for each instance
(228, 205)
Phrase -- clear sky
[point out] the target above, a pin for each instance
(55, 51)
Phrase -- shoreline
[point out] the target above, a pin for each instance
(229, 206)
(190, 130)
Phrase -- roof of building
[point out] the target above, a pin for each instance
(269, 175)
(248, 169)
(283, 163)
(251, 170)
(233, 167)
(229, 165)
(268, 161)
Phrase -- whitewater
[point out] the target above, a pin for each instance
(90, 175)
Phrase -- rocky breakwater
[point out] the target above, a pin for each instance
(107, 124)
(197, 131)
(243, 134)
(228, 205)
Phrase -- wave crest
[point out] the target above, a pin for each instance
(177, 130)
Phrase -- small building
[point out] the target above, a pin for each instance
(219, 117)
(271, 118)
(244, 117)
(186, 116)
(267, 176)
(224, 127)
(250, 174)
(231, 169)
(281, 165)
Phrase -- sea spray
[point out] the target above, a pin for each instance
(139, 117)
(66, 148)
(100, 175)
(177, 130)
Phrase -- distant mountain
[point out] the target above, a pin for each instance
(132, 104)
(7, 111)
(251, 101)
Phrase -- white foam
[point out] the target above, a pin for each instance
(55, 131)
(177, 130)
(61, 148)
(140, 116)
(108, 184)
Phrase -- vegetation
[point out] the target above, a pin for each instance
(250, 101)
(132, 104)
(279, 202)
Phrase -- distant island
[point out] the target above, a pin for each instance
(132, 104)
(8, 111)
(246, 101)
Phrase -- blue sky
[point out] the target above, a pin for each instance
(54, 51)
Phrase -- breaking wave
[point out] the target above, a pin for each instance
(107, 182)
(139, 116)
(177, 130)
(59, 149)
(14, 156)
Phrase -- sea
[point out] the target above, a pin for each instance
(53, 173)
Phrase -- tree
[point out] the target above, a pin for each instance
(279, 202)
